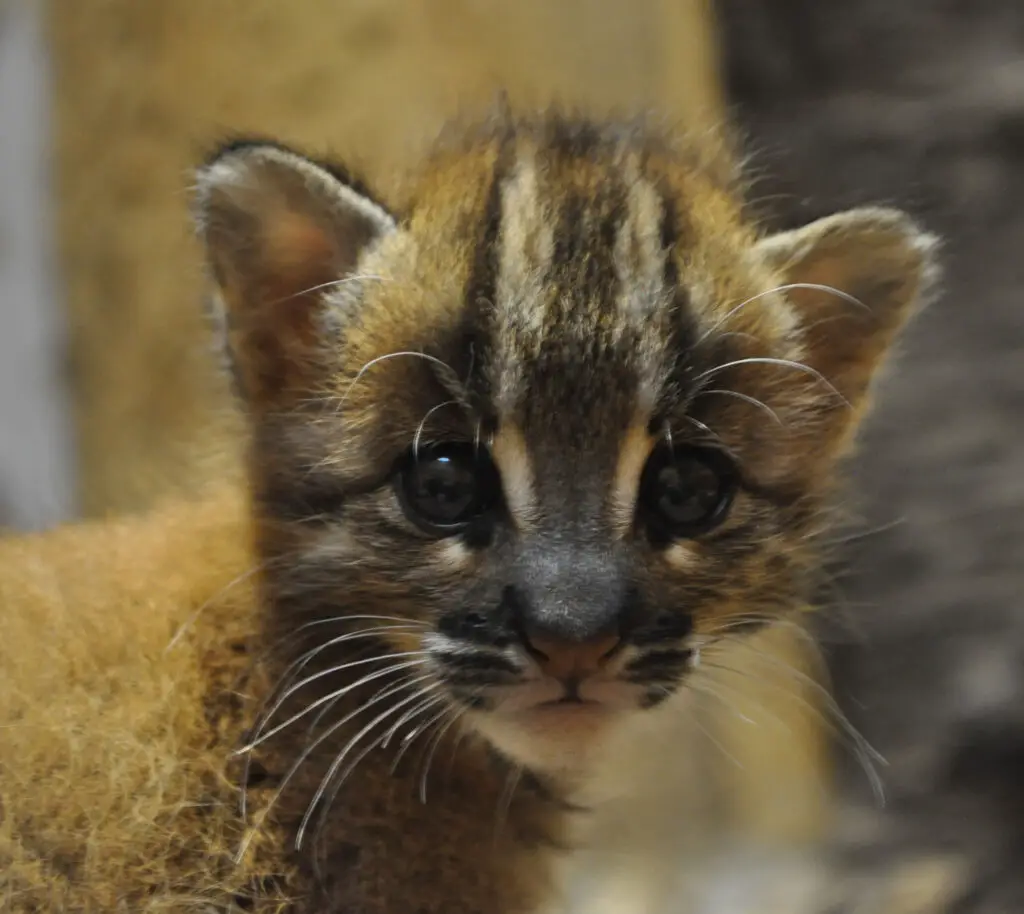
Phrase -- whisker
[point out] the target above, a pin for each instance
(386, 357)
(190, 621)
(296, 765)
(695, 718)
(834, 720)
(811, 286)
(334, 283)
(340, 757)
(505, 800)
(296, 666)
(753, 401)
(702, 427)
(326, 709)
(782, 363)
(423, 422)
(405, 718)
(706, 689)
(263, 737)
(264, 717)
(411, 737)
(340, 782)
(430, 755)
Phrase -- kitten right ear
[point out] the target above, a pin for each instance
(279, 231)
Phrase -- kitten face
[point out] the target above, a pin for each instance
(561, 421)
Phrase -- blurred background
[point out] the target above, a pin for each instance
(109, 398)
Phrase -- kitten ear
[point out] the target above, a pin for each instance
(855, 277)
(279, 230)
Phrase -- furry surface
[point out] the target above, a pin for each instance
(113, 774)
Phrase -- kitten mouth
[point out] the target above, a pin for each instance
(569, 701)
(586, 697)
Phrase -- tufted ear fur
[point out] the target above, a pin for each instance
(854, 279)
(279, 231)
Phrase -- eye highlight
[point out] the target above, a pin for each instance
(685, 491)
(443, 487)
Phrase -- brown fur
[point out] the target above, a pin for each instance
(557, 292)
(124, 664)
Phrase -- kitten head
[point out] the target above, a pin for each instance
(553, 423)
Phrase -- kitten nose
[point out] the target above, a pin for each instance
(570, 660)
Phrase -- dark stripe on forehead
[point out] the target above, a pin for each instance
(670, 235)
(481, 283)
(683, 330)
(575, 139)
(588, 223)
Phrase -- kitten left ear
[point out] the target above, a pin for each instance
(855, 278)
(279, 230)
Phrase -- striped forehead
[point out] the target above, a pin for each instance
(581, 296)
(583, 279)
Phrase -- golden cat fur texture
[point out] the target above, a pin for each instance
(535, 452)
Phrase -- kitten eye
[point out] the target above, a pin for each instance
(686, 491)
(442, 487)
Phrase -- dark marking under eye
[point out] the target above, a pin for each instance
(668, 664)
(478, 663)
(666, 627)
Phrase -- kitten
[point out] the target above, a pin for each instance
(529, 451)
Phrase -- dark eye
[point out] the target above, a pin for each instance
(685, 491)
(442, 487)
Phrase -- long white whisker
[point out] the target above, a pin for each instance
(340, 781)
(296, 666)
(296, 765)
(811, 286)
(362, 617)
(334, 283)
(326, 709)
(702, 427)
(325, 781)
(390, 735)
(332, 695)
(782, 363)
(190, 621)
(384, 358)
(705, 688)
(287, 677)
(753, 401)
(411, 737)
(423, 422)
(835, 720)
(430, 755)
(714, 741)
(505, 799)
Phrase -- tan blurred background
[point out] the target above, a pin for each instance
(142, 89)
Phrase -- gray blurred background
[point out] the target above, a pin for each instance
(921, 103)
(36, 462)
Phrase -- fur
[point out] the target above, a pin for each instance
(571, 302)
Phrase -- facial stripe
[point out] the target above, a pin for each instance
(640, 255)
(511, 456)
(636, 447)
(645, 264)
(525, 249)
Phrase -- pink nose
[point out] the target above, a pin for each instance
(562, 659)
